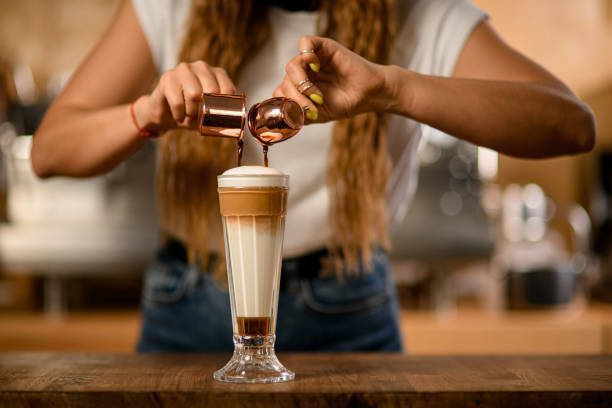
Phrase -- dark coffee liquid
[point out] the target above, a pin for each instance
(240, 148)
(265, 152)
(253, 326)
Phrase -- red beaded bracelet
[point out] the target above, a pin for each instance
(141, 132)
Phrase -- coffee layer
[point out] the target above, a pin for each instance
(271, 201)
(253, 326)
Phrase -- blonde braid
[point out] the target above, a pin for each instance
(359, 164)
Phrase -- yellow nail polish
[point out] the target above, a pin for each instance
(312, 115)
(317, 98)
(314, 67)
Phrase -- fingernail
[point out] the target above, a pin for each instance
(312, 115)
(314, 67)
(317, 98)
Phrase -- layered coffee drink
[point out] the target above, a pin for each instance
(253, 206)
(253, 203)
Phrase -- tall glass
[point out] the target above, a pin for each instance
(253, 202)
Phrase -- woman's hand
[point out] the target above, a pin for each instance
(333, 81)
(176, 100)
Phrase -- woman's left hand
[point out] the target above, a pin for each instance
(333, 82)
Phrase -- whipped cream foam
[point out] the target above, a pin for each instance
(253, 176)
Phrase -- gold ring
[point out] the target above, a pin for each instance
(307, 51)
(302, 82)
(304, 89)
(307, 84)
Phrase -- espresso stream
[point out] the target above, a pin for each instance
(241, 149)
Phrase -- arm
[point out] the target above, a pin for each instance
(496, 98)
(88, 129)
(499, 99)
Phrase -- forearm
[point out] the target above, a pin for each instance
(516, 118)
(81, 142)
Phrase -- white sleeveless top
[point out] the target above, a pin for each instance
(430, 40)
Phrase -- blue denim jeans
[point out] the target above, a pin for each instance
(185, 310)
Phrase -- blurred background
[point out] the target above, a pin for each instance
(495, 255)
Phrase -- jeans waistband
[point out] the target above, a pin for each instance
(307, 266)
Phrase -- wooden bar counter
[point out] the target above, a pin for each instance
(322, 380)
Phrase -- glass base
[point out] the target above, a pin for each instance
(254, 361)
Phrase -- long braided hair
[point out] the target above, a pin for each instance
(358, 167)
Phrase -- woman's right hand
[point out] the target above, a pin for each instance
(175, 102)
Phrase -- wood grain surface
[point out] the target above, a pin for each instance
(322, 380)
